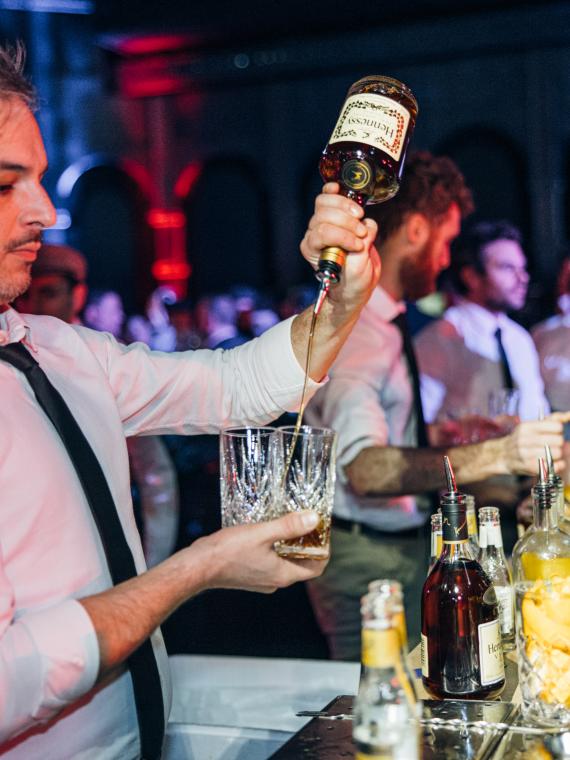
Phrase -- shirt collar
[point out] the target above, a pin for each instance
(14, 327)
(482, 319)
(384, 305)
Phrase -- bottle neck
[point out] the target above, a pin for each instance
(456, 550)
(545, 519)
(490, 536)
(471, 523)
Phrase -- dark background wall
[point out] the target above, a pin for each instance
(221, 109)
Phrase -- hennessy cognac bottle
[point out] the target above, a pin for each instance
(367, 149)
(462, 653)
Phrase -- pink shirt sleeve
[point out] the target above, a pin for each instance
(48, 658)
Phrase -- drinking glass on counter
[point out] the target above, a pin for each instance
(504, 409)
(304, 479)
(459, 426)
(246, 474)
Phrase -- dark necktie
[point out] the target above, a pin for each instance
(142, 663)
(507, 377)
(402, 324)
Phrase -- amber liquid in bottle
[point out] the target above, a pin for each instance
(462, 654)
(367, 149)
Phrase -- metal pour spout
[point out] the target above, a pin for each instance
(549, 461)
(449, 475)
(542, 473)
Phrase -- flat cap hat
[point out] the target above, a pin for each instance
(60, 259)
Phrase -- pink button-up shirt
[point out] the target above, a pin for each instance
(50, 550)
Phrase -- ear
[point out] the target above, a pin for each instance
(79, 297)
(418, 229)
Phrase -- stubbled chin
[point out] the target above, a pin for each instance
(14, 286)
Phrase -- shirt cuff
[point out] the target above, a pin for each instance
(66, 642)
(285, 376)
(349, 452)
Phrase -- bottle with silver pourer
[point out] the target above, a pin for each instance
(366, 154)
(557, 484)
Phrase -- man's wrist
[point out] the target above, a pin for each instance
(496, 461)
(340, 309)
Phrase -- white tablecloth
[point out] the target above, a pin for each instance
(243, 708)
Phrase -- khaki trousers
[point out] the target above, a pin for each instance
(356, 559)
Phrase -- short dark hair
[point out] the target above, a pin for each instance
(430, 184)
(13, 83)
(468, 249)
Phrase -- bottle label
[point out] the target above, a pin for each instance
(506, 614)
(380, 648)
(436, 544)
(424, 656)
(471, 523)
(494, 536)
(491, 661)
(374, 120)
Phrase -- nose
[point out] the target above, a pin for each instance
(38, 211)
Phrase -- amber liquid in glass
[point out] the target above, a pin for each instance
(316, 543)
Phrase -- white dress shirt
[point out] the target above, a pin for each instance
(552, 339)
(369, 402)
(459, 364)
(50, 550)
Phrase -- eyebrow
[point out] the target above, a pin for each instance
(8, 166)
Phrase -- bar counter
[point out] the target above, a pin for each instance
(239, 708)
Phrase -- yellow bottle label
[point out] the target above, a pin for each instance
(471, 523)
(374, 120)
(400, 622)
(540, 568)
(436, 545)
(380, 649)
(375, 756)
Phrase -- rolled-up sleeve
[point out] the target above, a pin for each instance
(48, 659)
(202, 391)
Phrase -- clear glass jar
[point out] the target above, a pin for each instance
(541, 570)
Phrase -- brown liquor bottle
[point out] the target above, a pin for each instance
(367, 149)
(462, 653)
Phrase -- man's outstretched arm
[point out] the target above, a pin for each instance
(391, 470)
